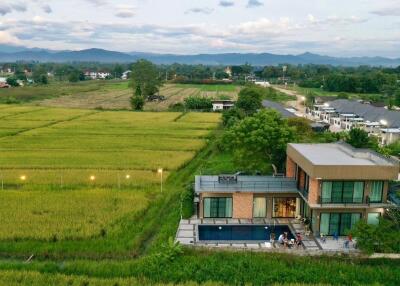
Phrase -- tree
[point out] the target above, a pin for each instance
(75, 76)
(198, 103)
(250, 99)
(12, 81)
(137, 100)
(231, 116)
(259, 140)
(40, 75)
(145, 75)
(358, 138)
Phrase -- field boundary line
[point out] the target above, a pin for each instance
(24, 112)
(48, 124)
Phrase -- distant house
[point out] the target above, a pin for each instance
(219, 105)
(344, 115)
(3, 80)
(262, 83)
(4, 85)
(228, 71)
(97, 75)
(126, 74)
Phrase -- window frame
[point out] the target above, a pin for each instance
(383, 186)
(341, 199)
(218, 206)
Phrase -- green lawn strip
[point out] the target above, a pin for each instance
(233, 268)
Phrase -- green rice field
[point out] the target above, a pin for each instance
(71, 174)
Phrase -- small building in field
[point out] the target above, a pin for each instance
(220, 105)
(126, 74)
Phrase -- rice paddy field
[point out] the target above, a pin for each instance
(117, 96)
(70, 174)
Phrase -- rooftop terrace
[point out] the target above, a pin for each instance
(253, 184)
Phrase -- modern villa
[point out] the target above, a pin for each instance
(332, 185)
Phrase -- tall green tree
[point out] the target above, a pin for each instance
(259, 140)
(359, 138)
(39, 75)
(145, 75)
(250, 99)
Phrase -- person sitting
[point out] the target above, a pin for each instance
(281, 239)
(323, 238)
(298, 240)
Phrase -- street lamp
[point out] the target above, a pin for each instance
(128, 177)
(160, 171)
(23, 178)
(92, 178)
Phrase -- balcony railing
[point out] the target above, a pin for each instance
(282, 184)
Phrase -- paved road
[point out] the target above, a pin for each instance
(297, 104)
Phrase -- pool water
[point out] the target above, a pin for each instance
(242, 232)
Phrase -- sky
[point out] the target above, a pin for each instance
(327, 27)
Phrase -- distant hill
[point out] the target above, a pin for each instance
(12, 54)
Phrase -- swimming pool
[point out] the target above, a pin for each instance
(242, 232)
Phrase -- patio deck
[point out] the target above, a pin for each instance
(187, 235)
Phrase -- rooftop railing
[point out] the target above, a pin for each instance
(277, 184)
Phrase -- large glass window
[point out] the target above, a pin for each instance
(376, 192)
(284, 207)
(338, 223)
(342, 192)
(260, 207)
(373, 218)
(217, 207)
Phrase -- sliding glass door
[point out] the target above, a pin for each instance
(259, 207)
(217, 207)
(338, 223)
(285, 207)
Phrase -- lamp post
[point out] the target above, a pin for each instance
(160, 171)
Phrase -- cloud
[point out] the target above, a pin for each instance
(254, 3)
(226, 3)
(204, 10)
(47, 9)
(6, 8)
(335, 20)
(388, 11)
(98, 2)
(125, 11)
(8, 38)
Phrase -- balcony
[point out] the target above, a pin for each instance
(250, 184)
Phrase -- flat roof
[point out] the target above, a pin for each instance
(340, 154)
(340, 161)
(245, 184)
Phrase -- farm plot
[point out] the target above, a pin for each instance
(117, 96)
(68, 214)
(71, 174)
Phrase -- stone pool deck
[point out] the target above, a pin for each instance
(187, 234)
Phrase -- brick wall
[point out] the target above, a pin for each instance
(242, 205)
(290, 168)
(313, 192)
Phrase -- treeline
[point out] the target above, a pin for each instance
(361, 79)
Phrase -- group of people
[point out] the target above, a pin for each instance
(288, 243)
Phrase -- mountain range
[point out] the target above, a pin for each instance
(13, 53)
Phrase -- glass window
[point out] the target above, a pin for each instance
(259, 207)
(217, 207)
(373, 218)
(348, 188)
(324, 224)
(337, 192)
(376, 192)
(338, 223)
(358, 192)
(326, 192)
(284, 207)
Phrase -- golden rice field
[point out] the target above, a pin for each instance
(60, 215)
(70, 174)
